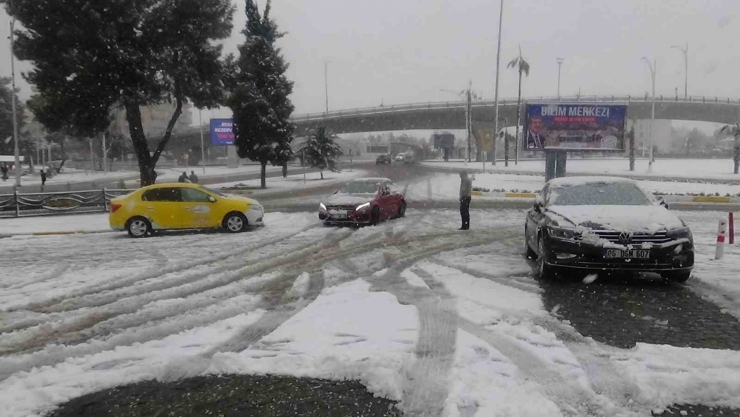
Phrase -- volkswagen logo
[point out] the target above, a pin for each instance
(625, 238)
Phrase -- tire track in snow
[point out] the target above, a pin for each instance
(572, 398)
(99, 320)
(612, 391)
(277, 314)
(126, 312)
(60, 269)
(510, 279)
(280, 313)
(97, 300)
(129, 305)
(427, 384)
(60, 303)
(201, 317)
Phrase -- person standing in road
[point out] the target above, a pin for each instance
(193, 177)
(4, 169)
(43, 177)
(183, 177)
(466, 188)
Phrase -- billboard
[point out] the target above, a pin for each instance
(443, 140)
(580, 126)
(222, 132)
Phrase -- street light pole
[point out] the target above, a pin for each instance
(326, 84)
(653, 69)
(16, 150)
(498, 65)
(560, 65)
(202, 149)
(685, 52)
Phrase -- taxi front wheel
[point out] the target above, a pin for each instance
(235, 223)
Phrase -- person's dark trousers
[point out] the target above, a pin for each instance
(465, 212)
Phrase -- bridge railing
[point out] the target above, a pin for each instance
(509, 101)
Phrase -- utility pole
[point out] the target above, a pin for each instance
(326, 84)
(469, 118)
(105, 156)
(92, 160)
(498, 65)
(653, 69)
(202, 149)
(685, 52)
(560, 65)
(16, 150)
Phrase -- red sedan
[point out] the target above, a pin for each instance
(363, 201)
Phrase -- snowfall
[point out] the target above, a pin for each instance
(82, 313)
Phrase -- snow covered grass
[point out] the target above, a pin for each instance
(72, 175)
(447, 186)
(313, 179)
(683, 168)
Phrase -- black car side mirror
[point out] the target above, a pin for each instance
(662, 202)
(537, 207)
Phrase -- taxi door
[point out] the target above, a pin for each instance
(198, 211)
(162, 207)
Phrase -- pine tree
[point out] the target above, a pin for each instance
(92, 56)
(259, 94)
(321, 151)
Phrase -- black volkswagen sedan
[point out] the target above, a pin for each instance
(606, 224)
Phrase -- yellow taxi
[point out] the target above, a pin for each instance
(182, 206)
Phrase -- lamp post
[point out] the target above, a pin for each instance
(498, 65)
(16, 149)
(202, 149)
(326, 84)
(560, 65)
(653, 69)
(685, 52)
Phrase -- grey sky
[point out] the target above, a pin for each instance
(401, 51)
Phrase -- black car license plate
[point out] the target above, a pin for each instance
(627, 254)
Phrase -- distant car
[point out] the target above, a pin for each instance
(182, 206)
(606, 224)
(400, 157)
(383, 159)
(363, 201)
(408, 158)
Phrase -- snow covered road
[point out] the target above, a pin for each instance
(446, 322)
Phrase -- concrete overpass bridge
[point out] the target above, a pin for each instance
(451, 115)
